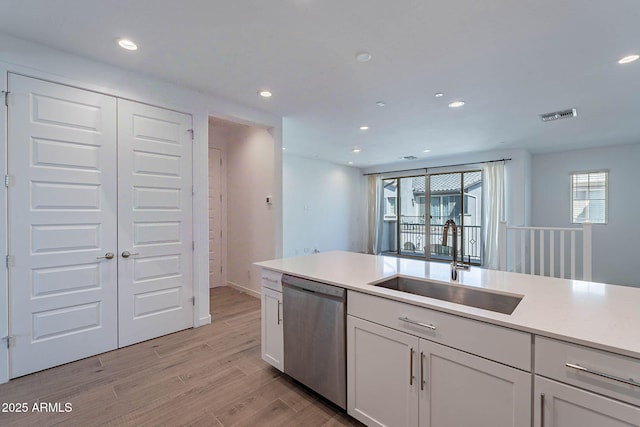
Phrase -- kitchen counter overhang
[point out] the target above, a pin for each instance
(594, 314)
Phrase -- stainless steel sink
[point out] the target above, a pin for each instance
(486, 300)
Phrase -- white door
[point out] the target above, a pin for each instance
(382, 383)
(155, 286)
(62, 224)
(560, 405)
(215, 218)
(460, 389)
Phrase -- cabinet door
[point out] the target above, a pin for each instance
(561, 405)
(460, 389)
(382, 382)
(272, 342)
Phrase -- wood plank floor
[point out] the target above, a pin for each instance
(208, 376)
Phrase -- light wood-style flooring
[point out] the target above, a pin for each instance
(208, 376)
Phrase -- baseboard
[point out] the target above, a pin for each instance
(245, 290)
(204, 321)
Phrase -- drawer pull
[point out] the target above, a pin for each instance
(630, 381)
(413, 322)
(269, 280)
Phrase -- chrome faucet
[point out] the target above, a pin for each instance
(454, 264)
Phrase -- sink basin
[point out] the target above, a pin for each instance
(486, 300)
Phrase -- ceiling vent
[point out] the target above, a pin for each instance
(557, 115)
(410, 158)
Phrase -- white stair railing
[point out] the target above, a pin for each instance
(543, 250)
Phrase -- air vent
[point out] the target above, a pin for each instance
(557, 115)
(410, 158)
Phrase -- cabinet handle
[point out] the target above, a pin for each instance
(269, 280)
(630, 381)
(421, 371)
(411, 366)
(279, 320)
(541, 409)
(414, 322)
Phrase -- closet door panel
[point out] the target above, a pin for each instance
(154, 206)
(62, 222)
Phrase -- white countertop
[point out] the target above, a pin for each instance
(594, 314)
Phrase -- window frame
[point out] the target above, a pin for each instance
(606, 195)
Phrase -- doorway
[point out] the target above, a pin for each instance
(241, 220)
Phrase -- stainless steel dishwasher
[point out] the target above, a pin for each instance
(314, 336)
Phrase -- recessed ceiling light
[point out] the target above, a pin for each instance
(381, 103)
(350, 163)
(127, 44)
(426, 151)
(628, 59)
(284, 148)
(365, 127)
(456, 104)
(363, 57)
(265, 94)
(356, 150)
(439, 94)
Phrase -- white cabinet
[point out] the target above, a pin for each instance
(398, 379)
(272, 332)
(581, 386)
(382, 388)
(561, 405)
(460, 389)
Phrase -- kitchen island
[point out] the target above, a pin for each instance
(569, 340)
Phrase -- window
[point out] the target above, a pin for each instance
(390, 209)
(390, 194)
(589, 197)
(417, 207)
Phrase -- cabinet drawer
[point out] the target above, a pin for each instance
(552, 357)
(272, 279)
(493, 342)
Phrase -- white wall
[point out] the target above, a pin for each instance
(615, 245)
(324, 206)
(250, 179)
(38, 61)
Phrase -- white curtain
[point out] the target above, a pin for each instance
(493, 207)
(375, 206)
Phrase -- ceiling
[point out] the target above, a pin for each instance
(508, 60)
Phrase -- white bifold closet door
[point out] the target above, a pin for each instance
(62, 223)
(99, 216)
(154, 222)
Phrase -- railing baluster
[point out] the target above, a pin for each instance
(562, 254)
(523, 251)
(573, 255)
(552, 244)
(532, 249)
(513, 252)
(542, 272)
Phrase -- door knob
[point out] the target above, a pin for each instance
(108, 255)
(127, 254)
